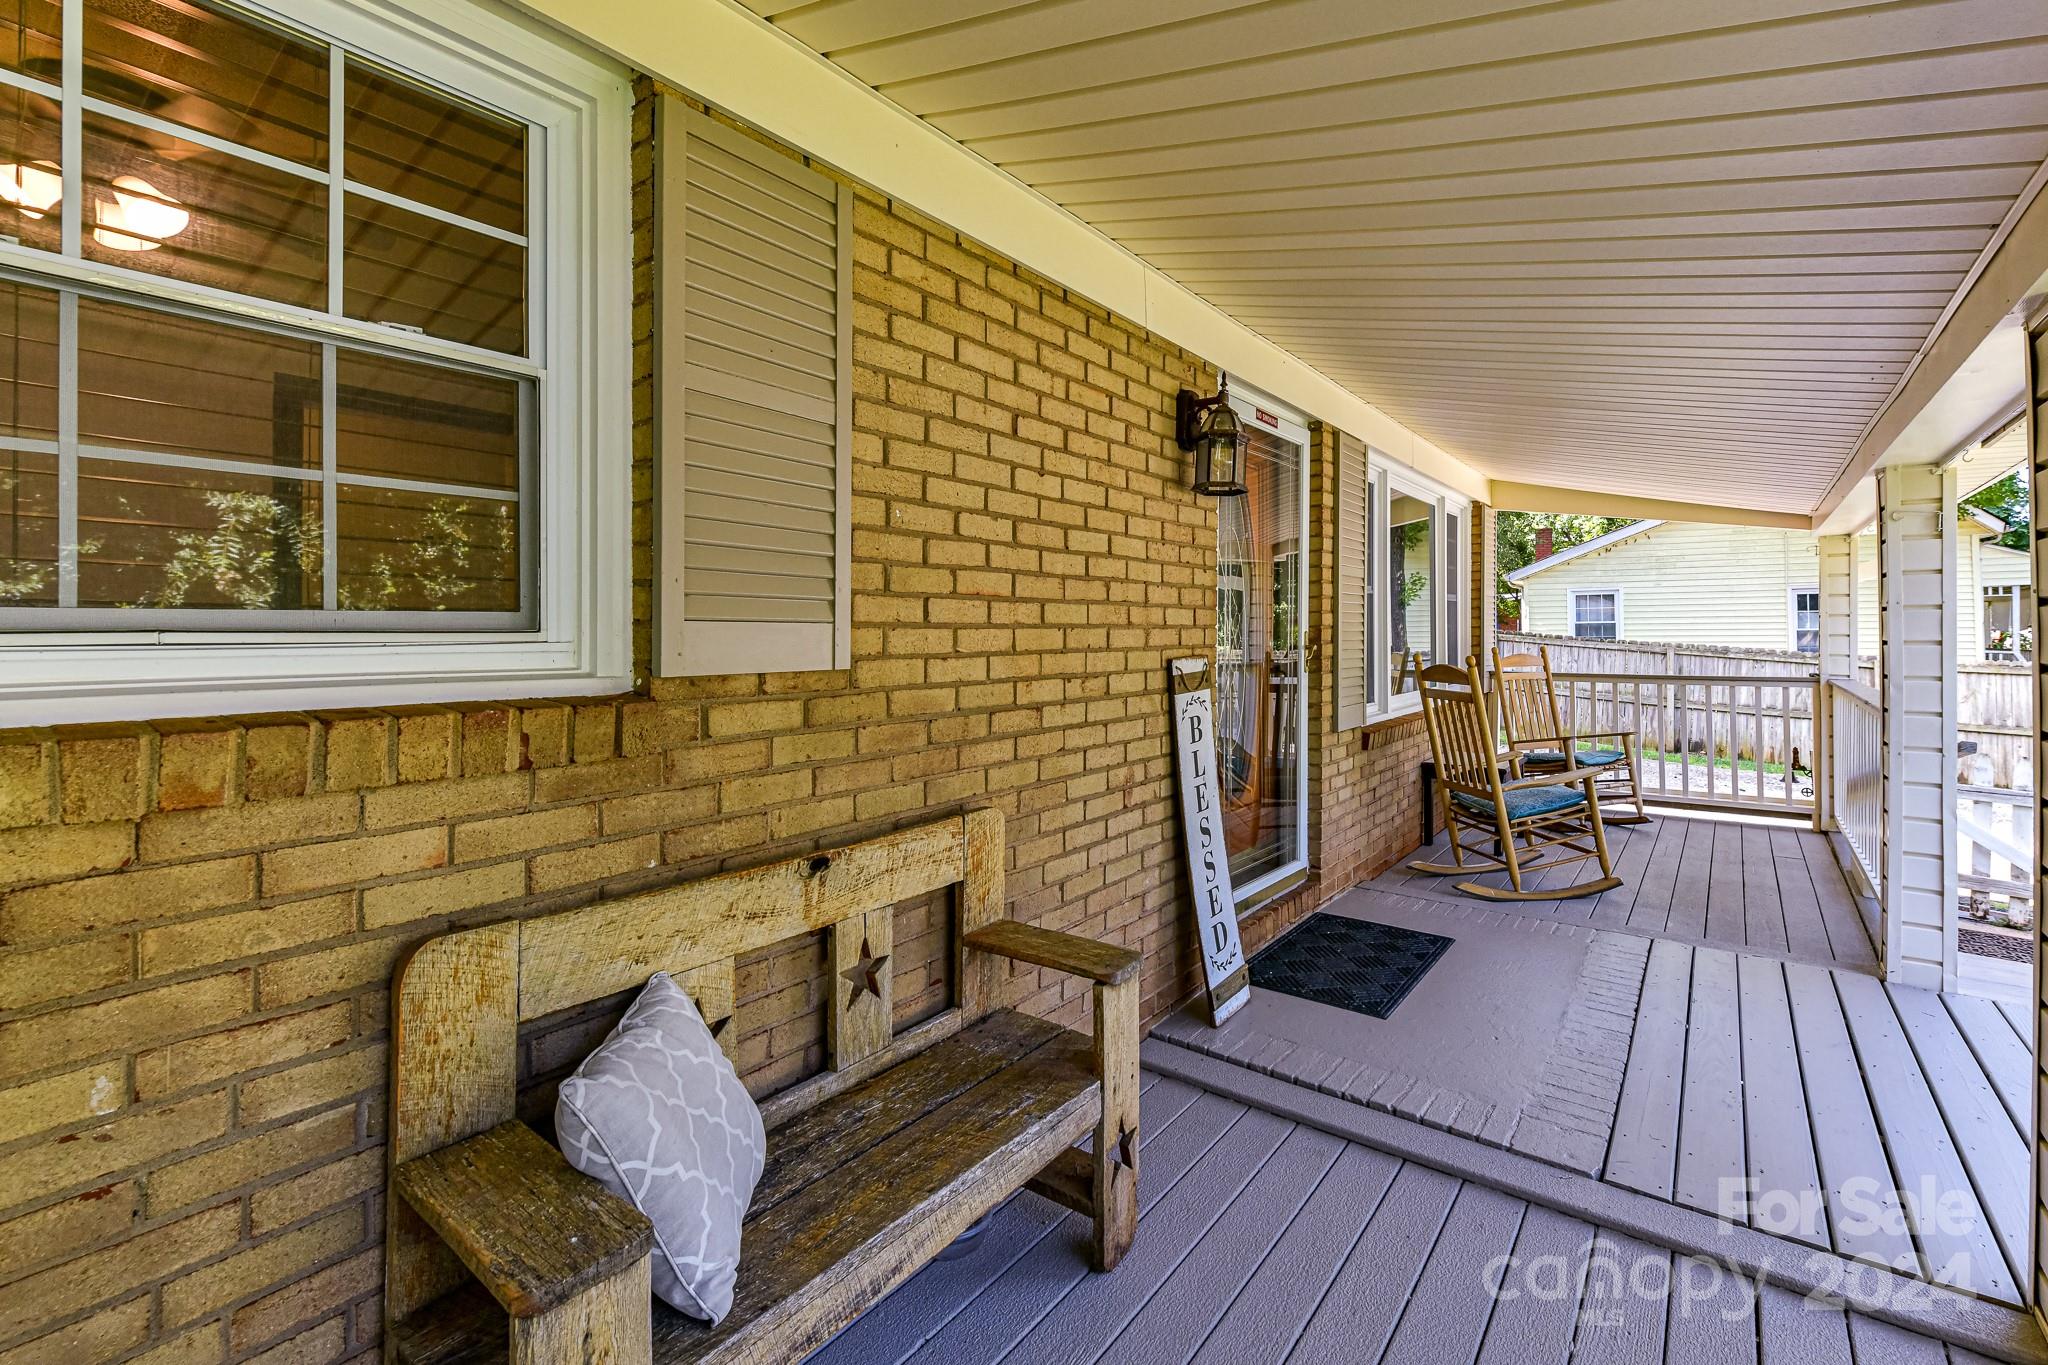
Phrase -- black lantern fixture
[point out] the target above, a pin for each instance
(1209, 428)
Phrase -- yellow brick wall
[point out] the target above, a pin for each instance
(199, 919)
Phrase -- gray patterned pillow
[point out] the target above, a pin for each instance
(657, 1115)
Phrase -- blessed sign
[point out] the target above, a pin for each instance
(1201, 818)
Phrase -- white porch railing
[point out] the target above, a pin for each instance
(1730, 742)
(1995, 854)
(1856, 769)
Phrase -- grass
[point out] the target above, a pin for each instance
(1747, 765)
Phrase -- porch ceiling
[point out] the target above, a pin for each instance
(1643, 248)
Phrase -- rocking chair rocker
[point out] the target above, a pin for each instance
(1537, 733)
(1522, 816)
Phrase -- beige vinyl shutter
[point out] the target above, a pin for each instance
(754, 405)
(1352, 510)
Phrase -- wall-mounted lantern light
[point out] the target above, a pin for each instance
(1209, 428)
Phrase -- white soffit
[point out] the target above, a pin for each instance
(1641, 247)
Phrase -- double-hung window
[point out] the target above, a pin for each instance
(1806, 620)
(1404, 560)
(1596, 613)
(309, 323)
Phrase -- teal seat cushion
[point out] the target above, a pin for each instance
(1526, 801)
(1588, 758)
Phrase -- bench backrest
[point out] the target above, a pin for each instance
(460, 999)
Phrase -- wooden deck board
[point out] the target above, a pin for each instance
(1920, 1143)
(1650, 912)
(1171, 1325)
(1537, 1329)
(1265, 1320)
(2004, 1057)
(1265, 1240)
(1727, 886)
(1689, 893)
(1781, 1154)
(898, 1325)
(1847, 934)
(1710, 1137)
(1089, 1315)
(1643, 1152)
(1364, 1303)
(1446, 1314)
(1847, 1143)
(1763, 908)
(1806, 931)
(1992, 1146)
(1791, 1330)
(1880, 1343)
(1036, 1280)
(1617, 1327)
(1773, 889)
(1712, 1320)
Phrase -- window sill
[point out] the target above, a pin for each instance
(1380, 730)
(71, 683)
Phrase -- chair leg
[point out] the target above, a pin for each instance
(1599, 829)
(1507, 853)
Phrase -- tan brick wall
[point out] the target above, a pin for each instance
(199, 919)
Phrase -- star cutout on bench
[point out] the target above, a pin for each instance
(866, 974)
(1127, 1146)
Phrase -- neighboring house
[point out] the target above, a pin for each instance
(1747, 587)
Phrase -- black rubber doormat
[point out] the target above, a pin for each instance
(1359, 965)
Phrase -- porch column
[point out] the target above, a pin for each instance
(1837, 660)
(1916, 569)
(1485, 579)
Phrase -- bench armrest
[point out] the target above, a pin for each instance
(532, 1228)
(1106, 964)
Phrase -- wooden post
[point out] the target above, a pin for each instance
(1115, 1189)
(981, 904)
(610, 1323)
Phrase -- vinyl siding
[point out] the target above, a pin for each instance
(1732, 585)
(1698, 584)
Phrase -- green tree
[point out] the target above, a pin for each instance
(1515, 545)
(2005, 499)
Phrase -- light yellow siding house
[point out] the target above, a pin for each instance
(1674, 582)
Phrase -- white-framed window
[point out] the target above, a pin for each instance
(1596, 613)
(314, 358)
(2005, 629)
(1403, 583)
(1805, 613)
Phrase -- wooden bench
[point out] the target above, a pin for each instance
(497, 1248)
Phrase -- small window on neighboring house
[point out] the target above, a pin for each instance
(1806, 620)
(754, 479)
(1596, 615)
(285, 358)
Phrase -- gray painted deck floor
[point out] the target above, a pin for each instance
(1267, 1240)
(1682, 1072)
(1771, 889)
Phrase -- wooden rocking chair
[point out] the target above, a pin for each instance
(1522, 816)
(1538, 735)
